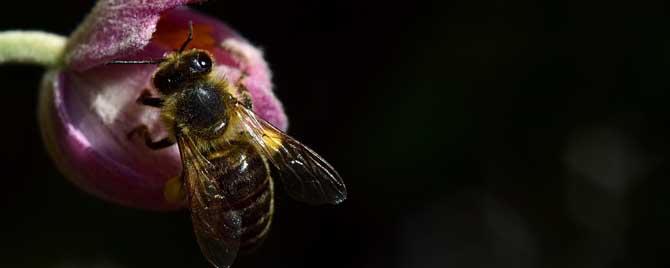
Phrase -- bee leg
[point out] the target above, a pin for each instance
(243, 91)
(143, 131)
(147, 99)
(174, 191)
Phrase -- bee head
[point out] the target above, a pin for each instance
(181, 69)
(178, 69)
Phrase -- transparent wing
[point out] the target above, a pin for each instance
(305, 175)
(216, 227)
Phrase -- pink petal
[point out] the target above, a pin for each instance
(93, 151)
(115, 28)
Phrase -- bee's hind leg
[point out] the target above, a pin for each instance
(143, 131)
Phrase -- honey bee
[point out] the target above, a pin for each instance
(227, 151)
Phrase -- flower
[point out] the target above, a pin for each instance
(87, 108)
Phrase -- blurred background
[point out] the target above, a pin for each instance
(469, 134)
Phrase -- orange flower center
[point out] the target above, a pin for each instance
(173, 36)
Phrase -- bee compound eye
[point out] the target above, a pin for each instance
(201, 62)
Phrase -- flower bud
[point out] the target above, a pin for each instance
(87, 108)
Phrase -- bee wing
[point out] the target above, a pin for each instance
(216, 227)
(305, 175)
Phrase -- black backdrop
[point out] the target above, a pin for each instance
(469, 133)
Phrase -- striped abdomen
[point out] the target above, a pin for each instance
(244, 177)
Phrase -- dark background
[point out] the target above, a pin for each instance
(469, 133)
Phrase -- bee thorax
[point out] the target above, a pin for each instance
(202, 110)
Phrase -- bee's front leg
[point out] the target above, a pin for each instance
(146, 98)
(143, 131)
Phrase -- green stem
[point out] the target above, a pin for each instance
(32, 47)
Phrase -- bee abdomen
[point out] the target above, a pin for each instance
(245, 180)
(256, 219)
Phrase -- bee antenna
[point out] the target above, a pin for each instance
(189, 38)
(136, 61)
